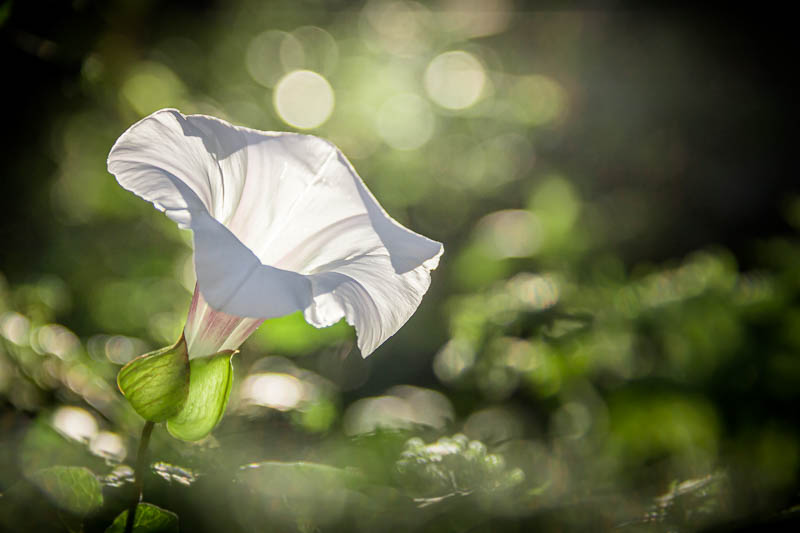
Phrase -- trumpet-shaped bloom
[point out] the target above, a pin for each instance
(281, 222)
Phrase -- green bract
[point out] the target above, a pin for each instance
(157, 384)
(209, 388)
(164, 386)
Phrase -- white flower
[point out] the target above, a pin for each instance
(281, 223)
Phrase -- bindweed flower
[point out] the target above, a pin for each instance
(281, 222)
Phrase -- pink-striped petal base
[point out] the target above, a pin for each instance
(209, 331)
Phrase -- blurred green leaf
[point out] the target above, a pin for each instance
(291, 334)
(157, 384)
(149, 519)
(454, 465)
(299, 479)
(24, 500)
(72, 488)
(44, 447)
(209, 389)
(476, 268)
(308, 494)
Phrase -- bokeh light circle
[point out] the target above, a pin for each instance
(455, 79)
(303, 99)
(539, 99)
(265, 55)
(405, 122)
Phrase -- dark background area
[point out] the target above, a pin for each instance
(726, 111)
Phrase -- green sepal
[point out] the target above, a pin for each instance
(210, 384)
(157, 384)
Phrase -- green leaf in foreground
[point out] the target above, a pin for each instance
(209, 388)
(72, 488)
(149, 519)
(157, 384)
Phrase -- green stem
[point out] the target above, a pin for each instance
(138, 474)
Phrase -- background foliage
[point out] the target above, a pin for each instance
(611, 341)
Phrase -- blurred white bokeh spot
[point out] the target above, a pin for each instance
(455, 359)
(75, 423)
(15, 327)
(304, 99)
(510, 233)
(455, 79)
(108, 445)
(403, 407)
(475, 18)
(273, 389)
(400, 28)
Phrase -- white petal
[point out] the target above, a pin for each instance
(370, 294)
(165, 157)
(281, 222)
(192, 168)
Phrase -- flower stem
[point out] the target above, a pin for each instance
(138, 474)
